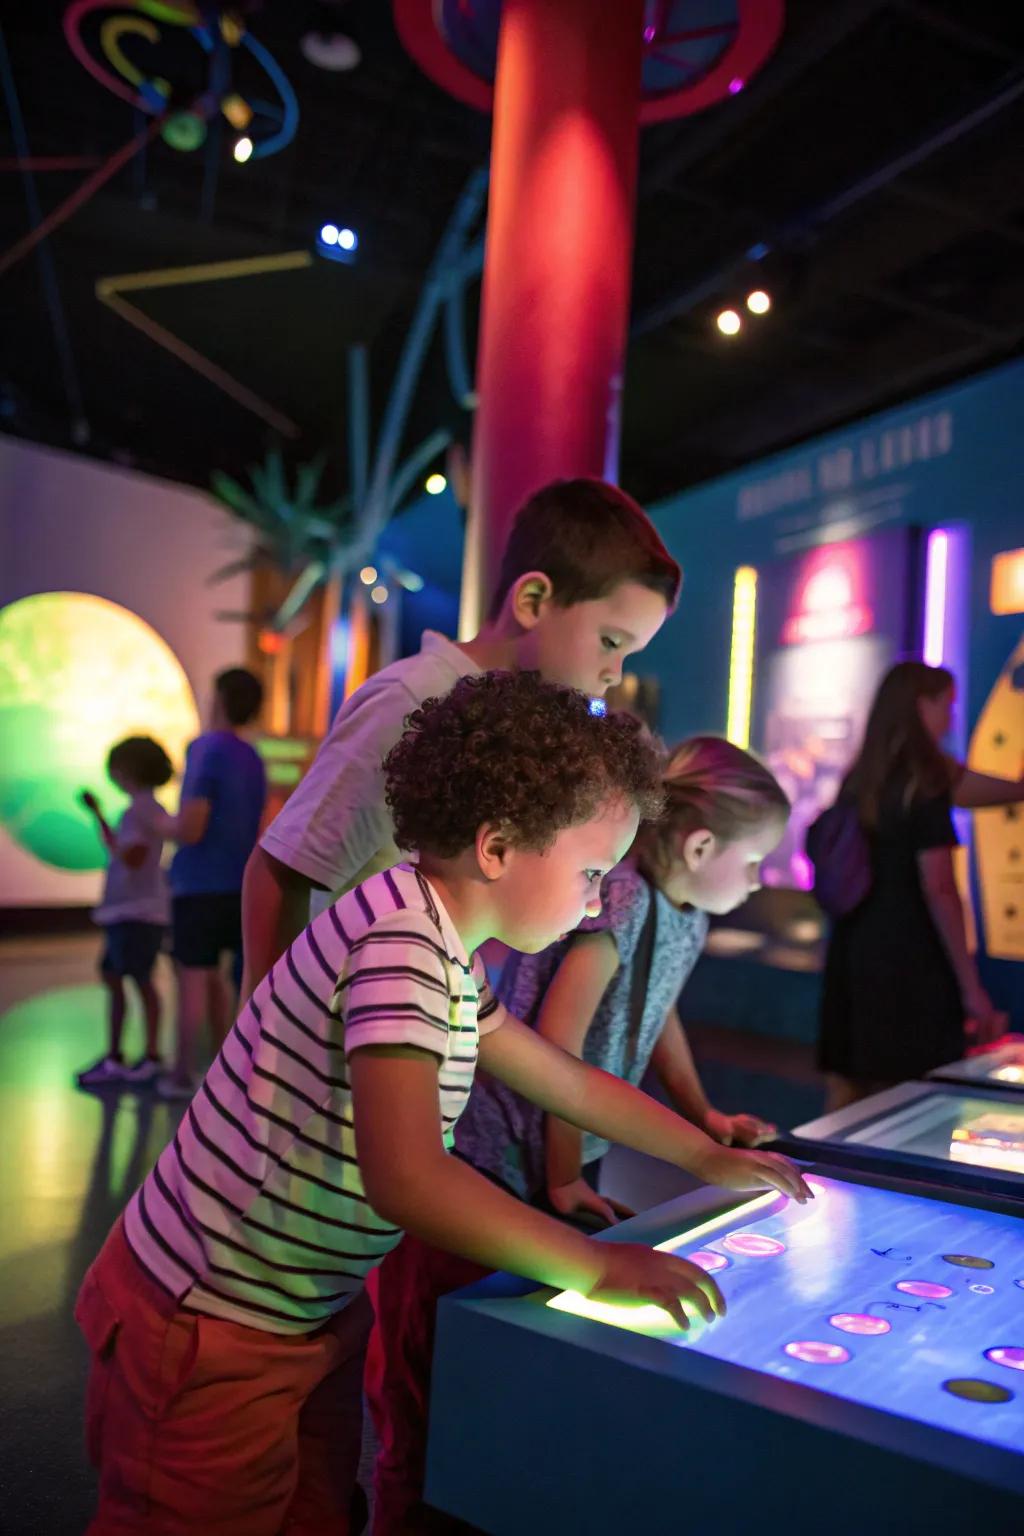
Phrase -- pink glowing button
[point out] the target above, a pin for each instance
(753, 1246)
(709, 1261)
(860, 1322)
(811, 1352)
(1007, 1354)
(926, 1288)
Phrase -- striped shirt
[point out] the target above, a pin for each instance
(256, 1211)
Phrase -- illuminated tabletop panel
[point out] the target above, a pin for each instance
(1001, 1067)
(945, 1133)
(870, 1369)
(876, 1296)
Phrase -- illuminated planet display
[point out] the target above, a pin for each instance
(77, 674)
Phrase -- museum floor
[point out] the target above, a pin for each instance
(71, 1159)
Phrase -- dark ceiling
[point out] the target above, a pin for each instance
(878, 156)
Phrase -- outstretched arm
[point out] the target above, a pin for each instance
(190, 824)
(976, 791)
(565, 1018)
(132, 854)
(596, 1101)
(411, 1181)
(677, 1072)
(938, 885)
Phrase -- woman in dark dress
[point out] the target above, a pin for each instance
(901, 988)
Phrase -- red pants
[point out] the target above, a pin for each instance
(210, 1428)
(405, 1290)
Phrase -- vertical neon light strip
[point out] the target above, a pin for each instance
(936, 575)
(944, 643)
(741, 656)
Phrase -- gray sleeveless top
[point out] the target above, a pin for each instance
(502, 1133)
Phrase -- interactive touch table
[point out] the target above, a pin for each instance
(869, 1376)
(937, 1131)
(1001, 1067)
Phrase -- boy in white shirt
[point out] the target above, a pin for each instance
(585, 582)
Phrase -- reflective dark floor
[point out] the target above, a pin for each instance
(71, 1159)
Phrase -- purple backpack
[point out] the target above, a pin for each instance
(838, 848)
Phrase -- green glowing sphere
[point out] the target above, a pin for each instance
(77, 674)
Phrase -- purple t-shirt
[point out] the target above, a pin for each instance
(227, 771)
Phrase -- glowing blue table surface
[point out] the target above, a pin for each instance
(873, 1340)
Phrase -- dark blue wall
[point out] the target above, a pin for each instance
(713, 529)
(950, 457)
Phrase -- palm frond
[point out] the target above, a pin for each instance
(307, 483)
(303, 589)
(250, 562)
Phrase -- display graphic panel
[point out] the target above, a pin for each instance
(961, 1127)
(1000, 1067)
(831, 621)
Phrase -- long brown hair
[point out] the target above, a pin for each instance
(897, 751)
(712, 785)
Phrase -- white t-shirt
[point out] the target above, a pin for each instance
(336, 828)
(138, 895)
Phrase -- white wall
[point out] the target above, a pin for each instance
(69, 524)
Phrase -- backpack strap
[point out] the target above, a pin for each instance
(640, 975)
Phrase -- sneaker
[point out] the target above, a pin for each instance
(145, 1071)
(170, 1087)
(108, 1072)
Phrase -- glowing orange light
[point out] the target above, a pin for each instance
(1007, 589)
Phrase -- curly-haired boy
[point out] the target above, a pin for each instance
(585, 581)
(226, 1313)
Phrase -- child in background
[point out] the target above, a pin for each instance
(222, 796)
(136, 907)
(607, 993)
(225, 1314)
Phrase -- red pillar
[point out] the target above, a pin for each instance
(558, 264)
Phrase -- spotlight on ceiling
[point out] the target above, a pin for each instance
(759, 302)
(243, 149)
(337, 242)
(435, 484)
(728, 322)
